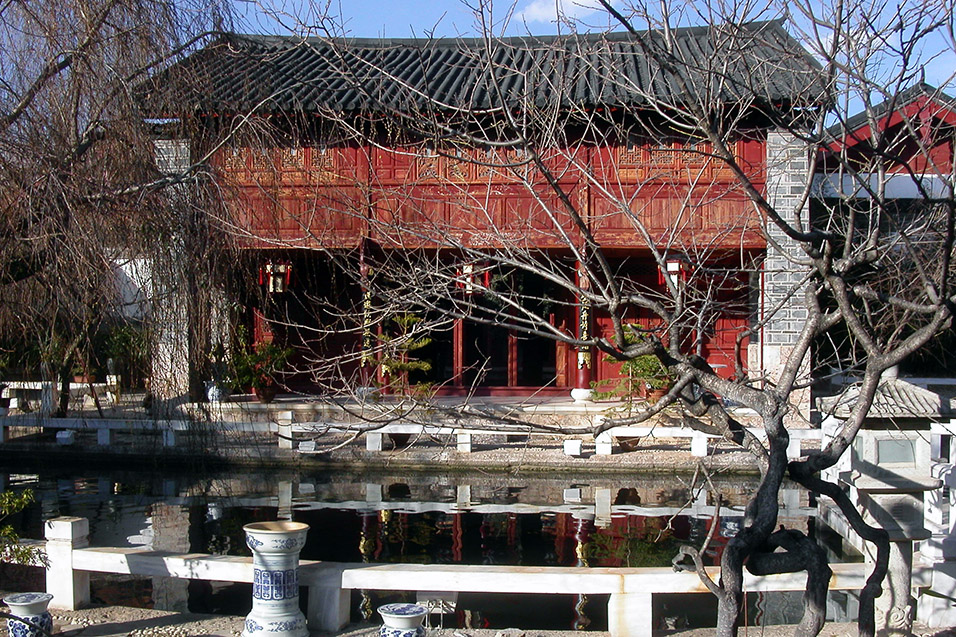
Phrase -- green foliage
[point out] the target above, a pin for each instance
(653, 544)
(129, 346)
(10, 548)
(218, 363)
(646, 369)
(256, 366)
(400, 361)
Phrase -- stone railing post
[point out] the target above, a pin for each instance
(284, 429)
(49, 397)
(629, 615)
(70, 588)
(328, 605)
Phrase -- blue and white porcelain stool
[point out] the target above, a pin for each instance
(31, 608)
(275, 579)
(402, 620)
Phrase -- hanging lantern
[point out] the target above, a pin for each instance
(276, 276)
(472, 281)
(674, 270)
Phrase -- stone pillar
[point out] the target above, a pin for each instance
(463, 496)
(602, 508)
(895, 503)
(169, 377)
(70, 588)
(630, 615)
(285, 500)
(782, 300)
(894, 609)
(284, 429)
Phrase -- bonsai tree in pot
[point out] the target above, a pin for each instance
(217, 388)
(642, 375)
(649, 370)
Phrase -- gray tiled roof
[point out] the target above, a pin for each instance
(895, 398)
(285, 74)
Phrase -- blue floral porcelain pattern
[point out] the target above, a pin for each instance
(28, 627)
(286, 626)
(402, 610)
(275, 579)
(387, 631)
(275, 584)
(27, 598)
(287, 544)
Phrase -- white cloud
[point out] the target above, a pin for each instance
(548, 11)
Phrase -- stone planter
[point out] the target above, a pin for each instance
(402, 620)
(266, 393)
(275, 580)
(31, 608)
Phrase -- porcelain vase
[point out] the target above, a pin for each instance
(275, 579)
(31, 608)
(215, 393)
(402, 620)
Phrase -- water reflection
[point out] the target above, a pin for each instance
(581, 520)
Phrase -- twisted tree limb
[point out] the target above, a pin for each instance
(879, 537)
(800, 553)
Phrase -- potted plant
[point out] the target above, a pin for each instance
(83, 372)
(649, 370)
(400, 361)
(216, 388)
(256, 368)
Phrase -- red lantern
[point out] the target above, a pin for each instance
(276, 276)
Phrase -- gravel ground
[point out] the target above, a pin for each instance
(121, 621)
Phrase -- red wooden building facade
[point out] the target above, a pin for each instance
(303, 202)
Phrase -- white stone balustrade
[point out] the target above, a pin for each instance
(631, 590)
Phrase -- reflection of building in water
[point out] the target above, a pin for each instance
(170, 524)
(461, 519)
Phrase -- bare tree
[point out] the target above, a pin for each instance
(620, 195)
(82, 196)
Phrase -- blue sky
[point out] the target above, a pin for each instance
(453, 18)
(420, 18)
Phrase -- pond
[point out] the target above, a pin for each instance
(461, 518)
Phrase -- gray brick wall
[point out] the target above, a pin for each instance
(787, 165)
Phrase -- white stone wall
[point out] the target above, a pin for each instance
(169, 381)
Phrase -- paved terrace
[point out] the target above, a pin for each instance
(314, 432)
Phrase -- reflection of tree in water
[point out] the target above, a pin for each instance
(500, 539)
(673, 497)
(641, 542)
(409, 538)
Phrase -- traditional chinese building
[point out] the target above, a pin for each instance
(352, 179)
